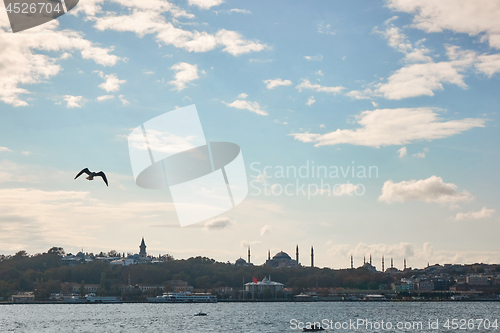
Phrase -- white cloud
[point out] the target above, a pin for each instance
(123, 100)
(422, 79)
(462, 16)
(4, 149)
(33, 57)
(74, 101)
(488, 64)
(419, 155)
(432, 189)
(218, 223)
(325, 29)
(385, 127)
(306, 84)
(111, 83)
(374, 104)
(143, 22)
(356, 94)
(205, 4)
(104, 98)
(319, 72)
(402, 152)
(247, 105)
(242, 96)
(236, 45)
(240, 11)
(26, 153)
(185, 74)
(271, 84)
(483, 213)
(311, 101)
(245, 243)
(317, 57)
(265, 229)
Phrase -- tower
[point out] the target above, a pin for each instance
(142, 248)
(312, 257)
(383, 267)
(297, 255)
(370, 259)
(392, 266)
(404, 265)
(249, 254)
(364, 260)
(268, 254)
(352, 265)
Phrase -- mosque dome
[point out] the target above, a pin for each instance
(282, 256)
(240, 262)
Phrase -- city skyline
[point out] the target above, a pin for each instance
(406, 89)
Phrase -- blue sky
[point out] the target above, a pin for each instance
(407, 86)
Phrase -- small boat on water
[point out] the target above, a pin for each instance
(200, 314)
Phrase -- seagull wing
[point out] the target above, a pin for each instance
(83, 171)
(101, 174)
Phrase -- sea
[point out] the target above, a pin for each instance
(253, 317)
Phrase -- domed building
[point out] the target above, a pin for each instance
(281, 259)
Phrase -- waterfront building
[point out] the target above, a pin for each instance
(259, 289)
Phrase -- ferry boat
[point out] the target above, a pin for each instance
(183, 297)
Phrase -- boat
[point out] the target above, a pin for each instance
(183, 297)
(92, 298)
(200, 314)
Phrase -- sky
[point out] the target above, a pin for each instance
(392, 104)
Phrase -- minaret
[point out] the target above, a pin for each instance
(404, 264)
(370, 259)
(312, 257)
(297, 255)
(383, 267)
(364, 260)
(352, 266)
(268, 254)
(142, 248)
(392, 266)
(249, 254)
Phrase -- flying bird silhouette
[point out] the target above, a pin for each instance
(92, 175)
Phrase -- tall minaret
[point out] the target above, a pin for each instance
(312, 257)
(364, 260)
(383, 267)
(268, 254)
(404, 265)
(297, 255)
(249, 254)
(142, 248)
(392, 266)
(370, 259)
(352, 265)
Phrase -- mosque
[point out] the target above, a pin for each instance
(279, 260)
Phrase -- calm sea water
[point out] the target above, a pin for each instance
(244, 317)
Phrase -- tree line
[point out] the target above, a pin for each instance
(45, 274)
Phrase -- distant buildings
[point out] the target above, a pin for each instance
(138, 258)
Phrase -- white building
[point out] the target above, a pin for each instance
(257, 289)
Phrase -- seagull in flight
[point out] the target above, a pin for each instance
(92, 175)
